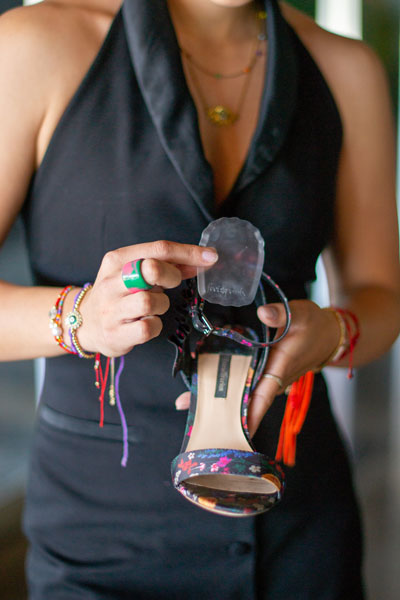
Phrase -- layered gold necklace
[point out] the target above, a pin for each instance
(220, 114)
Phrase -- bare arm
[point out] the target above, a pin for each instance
(362, 264)
(22, 317)
(363, 261)
(42, 60)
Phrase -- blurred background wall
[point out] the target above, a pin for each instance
(368, 408)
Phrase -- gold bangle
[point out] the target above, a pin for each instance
(341, 346)
(74, 320)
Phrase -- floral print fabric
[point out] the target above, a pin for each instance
(187, 467)
(195, 473)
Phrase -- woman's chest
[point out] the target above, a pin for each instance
(227, 112)
(126, 165)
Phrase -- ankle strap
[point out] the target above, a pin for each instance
(202, 324)
(191, 315)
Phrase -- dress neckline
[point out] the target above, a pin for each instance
(156, 60)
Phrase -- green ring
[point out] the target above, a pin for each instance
(133, 278)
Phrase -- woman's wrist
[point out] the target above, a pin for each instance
(73, 321)
(66, 319)
(342, 341)
(85, 339)
(349, 333)
(56, 319)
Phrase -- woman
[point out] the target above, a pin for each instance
(113, 152)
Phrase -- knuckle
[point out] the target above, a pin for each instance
(166, 303)
(157, 326)
(178, 276)
(145, 303)
(195, 253)
(153, 270)
(111, 260)
(160, 304)
(143, 331)
(162, 248)
(172, 276)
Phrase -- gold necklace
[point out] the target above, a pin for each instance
(217, 75)
(220, 114)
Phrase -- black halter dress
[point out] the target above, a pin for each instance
(125, 165)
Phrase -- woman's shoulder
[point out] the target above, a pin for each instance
(351, 68)
(27, 31)
(45, 51)
(49, 25)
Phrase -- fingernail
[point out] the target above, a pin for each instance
(209, 256)
(270, 312)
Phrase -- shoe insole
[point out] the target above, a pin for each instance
(217, 423)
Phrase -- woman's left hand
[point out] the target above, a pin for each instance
(312, 337)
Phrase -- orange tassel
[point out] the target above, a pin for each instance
(297, 405)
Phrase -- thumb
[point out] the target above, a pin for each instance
(273, 315)
(183, 401)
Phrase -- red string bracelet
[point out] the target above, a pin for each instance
(56, 321)
(353, 332)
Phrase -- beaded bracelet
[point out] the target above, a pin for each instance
(56, 321)
(74, 317)
(74, 320)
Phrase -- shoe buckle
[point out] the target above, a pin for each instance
(200, 321)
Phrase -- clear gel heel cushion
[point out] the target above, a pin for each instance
(234, 278)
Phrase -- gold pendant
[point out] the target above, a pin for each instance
(221, 115)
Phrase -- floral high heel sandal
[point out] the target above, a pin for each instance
(218, 467)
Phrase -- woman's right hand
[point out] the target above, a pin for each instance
(114, 319)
